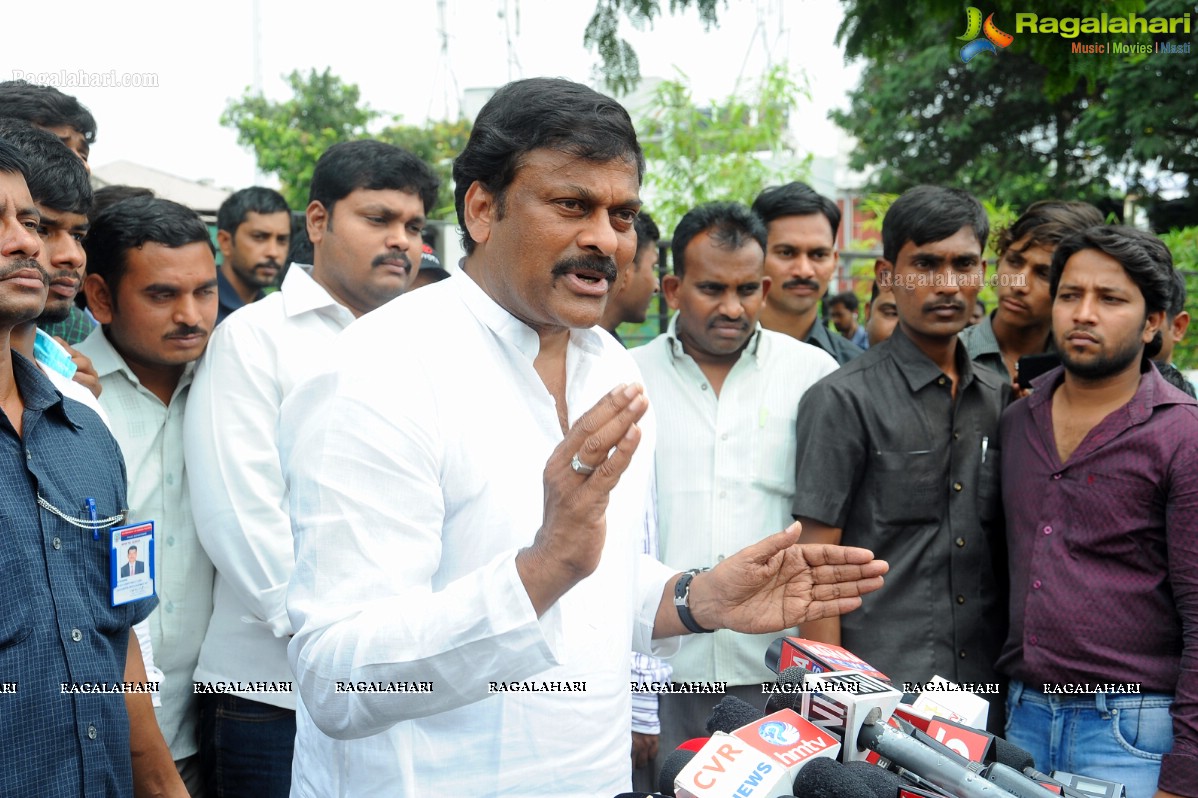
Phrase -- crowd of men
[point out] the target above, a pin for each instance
(358, 539)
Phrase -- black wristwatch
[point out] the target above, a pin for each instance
(682, 592)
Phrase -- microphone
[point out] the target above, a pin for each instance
(882, 782)
(816, 657)
(946, 772)
(730, 714)
(827, 778)
(840, 702)
(758, 760)
(787, 690)
(1044, 780)
(673, 764)
(1092, 788)
(946, 699)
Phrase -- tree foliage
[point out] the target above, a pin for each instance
(287, 137)
(727, 151)
(1033, 121)
(437, 144)
(620, 67)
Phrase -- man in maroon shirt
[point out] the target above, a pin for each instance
(1100, 488)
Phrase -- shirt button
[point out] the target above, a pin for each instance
(76, 635)
(724, 437)
(941, 381)
(958, 487)
(1056, 476)
(1047, 530)
(956, 436)
(28, 455)
(720, 558)
(723, 494)
(1033, 640)
(960, 543)
(1036, 585)
(703, 387)
(170, 541)
(170, 479)
(961, 653)
(91, 732)
(961, 600)
(56, 543)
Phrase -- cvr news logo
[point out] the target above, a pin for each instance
(990, 42)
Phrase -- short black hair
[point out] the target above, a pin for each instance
(132, 548)
(925, 214)
(795, 199)
(1143, 256)
(110, 195)
(11, 160)
(1048, 222)
(647, 232)
(730, 224)
(132, 223)
(350, 165)
(533, 114)
(239, 204)
(45, 106)
(57, 178)
(1177, 300)
(847, 298)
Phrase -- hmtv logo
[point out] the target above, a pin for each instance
(989, 43)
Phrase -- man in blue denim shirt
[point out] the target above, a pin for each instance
(59, 633)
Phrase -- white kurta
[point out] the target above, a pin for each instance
(415, 471)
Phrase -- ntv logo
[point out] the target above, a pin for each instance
(994, 38)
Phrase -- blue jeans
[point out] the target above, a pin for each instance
(1115, 737)
(246, 747)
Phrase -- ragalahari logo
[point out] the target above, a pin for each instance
(993, 39)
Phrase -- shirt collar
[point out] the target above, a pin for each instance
(108, 361)
(918, 368)
(819, 336)
(507, 327)
(227, 295)
(301, 293)
(37, 392)
(1151, 393)
(983, 336)
(757, 347)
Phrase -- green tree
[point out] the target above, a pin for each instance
(1035, 120)
(727, 151)
(437, 143)
(619, 65)
(288, 137)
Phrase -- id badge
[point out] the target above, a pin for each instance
(131, 563)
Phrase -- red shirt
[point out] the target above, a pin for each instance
(1104, 553)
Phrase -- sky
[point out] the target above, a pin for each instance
(201, 55)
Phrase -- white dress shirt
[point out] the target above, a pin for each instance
(256, 356)
(151, 438)
(725, 470)
(415, 471)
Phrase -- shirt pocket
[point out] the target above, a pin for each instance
(989, 485)
(16, 591)
(774, 460)
(908, 487)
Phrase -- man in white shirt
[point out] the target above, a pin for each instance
(255, 358)
(151, 283)
(468, 511)
(726, 448)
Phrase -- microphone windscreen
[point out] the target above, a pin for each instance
(1011, 755)
(732, 713)
(788, 690)
(882, 782)
(827, 778)
(671, 766)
